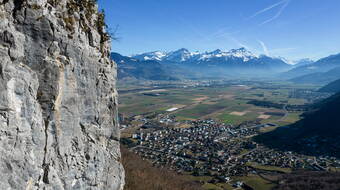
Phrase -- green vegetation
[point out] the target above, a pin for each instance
(316, 126)
(200, 110)
(270, 168)
(210, 186)
(217, 103)
(227, 104)
(235, 119)
(256, 182)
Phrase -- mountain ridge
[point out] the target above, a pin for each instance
(316, 134)
(318, 77)
(186, 55)
(130, 68)
(333, 87)
(322, 65)
(220, 63)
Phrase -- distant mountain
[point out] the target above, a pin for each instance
(322, 65)
(303, 62)
(333, 87)
(318, 133)
(218, 62)
(319, 77)
(155, 55)
(180, 55)
(136, 69)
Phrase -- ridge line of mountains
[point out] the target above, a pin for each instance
(236, 63)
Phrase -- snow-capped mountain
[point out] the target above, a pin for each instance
(218, 62)
(155, 55)
(241, 55)
(180, 55)
(303, 62)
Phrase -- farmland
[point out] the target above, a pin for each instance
(229, 103)
(169, 125)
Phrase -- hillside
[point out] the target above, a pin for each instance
(319, 77)
(318, 133)
(130, 68)
(304, 180)
(333, 87)
(141, 175)
(321, 66)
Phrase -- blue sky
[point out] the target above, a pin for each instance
(289, 28)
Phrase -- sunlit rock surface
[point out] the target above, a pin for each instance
(58, 98)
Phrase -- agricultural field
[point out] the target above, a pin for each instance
(227, 104)
(267, 103)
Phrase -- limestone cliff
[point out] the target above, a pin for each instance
(58, 98)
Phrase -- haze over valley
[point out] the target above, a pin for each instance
(232, 119)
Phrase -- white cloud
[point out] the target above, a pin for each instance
(283, 4)
(278, 13)
(267, 8)
(264, 47)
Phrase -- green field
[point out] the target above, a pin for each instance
(225, 104)
(256, 182)
(219, 103)
(270, 168)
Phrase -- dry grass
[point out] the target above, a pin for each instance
(141, 175)
(238, 113)
(200, 99)
(263, 116)
(304, 180)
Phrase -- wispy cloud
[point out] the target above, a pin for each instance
(267, 9)
(264, 47)
(283, 4)
(283, 50)
(278, 13)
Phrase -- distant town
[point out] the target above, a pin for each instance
(210, 148)
(213, 151)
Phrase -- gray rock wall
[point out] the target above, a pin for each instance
(58, 98)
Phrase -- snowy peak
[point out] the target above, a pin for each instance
(155, 55)
(179, 55)
(184, 56)
(241, 53)
(213, 54)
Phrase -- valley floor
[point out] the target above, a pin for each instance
(204, 130)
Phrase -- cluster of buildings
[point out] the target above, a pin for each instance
(209, 148)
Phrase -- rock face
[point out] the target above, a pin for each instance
(58, 98)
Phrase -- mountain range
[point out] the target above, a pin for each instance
(130, 68)
(321, 66)
(319, 77)
(303, 62)
(235, 63)
(217, 64)
(235, 58)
